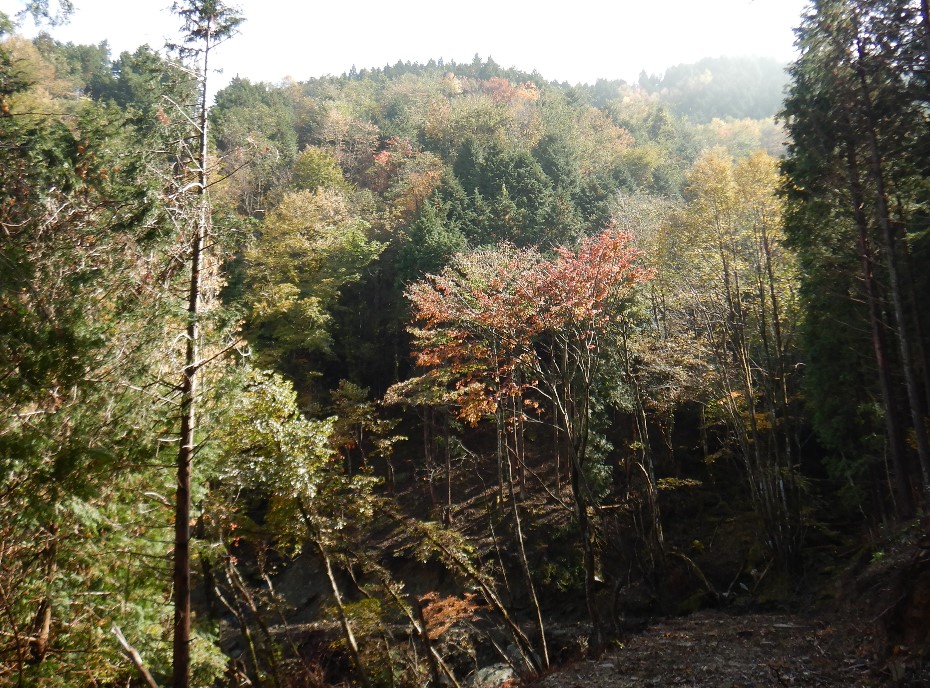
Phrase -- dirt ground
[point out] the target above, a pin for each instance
(713, 649)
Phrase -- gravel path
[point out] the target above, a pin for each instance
(716, 650)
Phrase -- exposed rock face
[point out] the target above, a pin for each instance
(492, 676)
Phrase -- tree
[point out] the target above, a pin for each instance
(89, 261)
(255, 130)
(856, 113)
(723, 87)
(583, 298)
(206, 23)
(312, 245)
(505, 323)
(731, 285)
(315, 168)
(269, 445)
(51, 11)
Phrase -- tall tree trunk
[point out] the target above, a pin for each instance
(896, 445)
(189, 380)
(525, 565)
(238, 585)
(573, 419)
(343, 617)
(42, 622)
(655, 539)
(919, 329)
(448, 448)
(915, 399)
(587, 544)
(465, 567)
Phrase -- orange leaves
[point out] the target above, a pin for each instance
(483, 317)
(441, 613)
(407, 176)
(586, 286)
(503, 92)
(477, 324)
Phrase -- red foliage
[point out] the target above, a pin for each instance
(481, 318)
(386, 162)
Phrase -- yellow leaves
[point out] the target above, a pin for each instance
(276, 298)
(437, 120)
(711, 183)
(311, 245)
(677, 484)
(763, 421)
(493, 109)
(315, 168)
(350, 139)
(46, 90)
(600, 141)
(741, 137)
(451, 84)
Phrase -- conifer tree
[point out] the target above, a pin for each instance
(856, 113)
(206, 23)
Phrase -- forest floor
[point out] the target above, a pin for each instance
(714, 649)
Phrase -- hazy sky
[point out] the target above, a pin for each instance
(574, 40)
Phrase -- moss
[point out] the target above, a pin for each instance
(693, 603)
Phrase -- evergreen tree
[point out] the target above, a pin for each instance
(855, 114)
(206, 23)
(89, 262)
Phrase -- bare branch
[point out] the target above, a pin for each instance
(134, 655)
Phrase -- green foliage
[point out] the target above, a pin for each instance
(88, 67)
(311, 246)
(456, 183)
(51, 12)
(431, 240)
(150, 89)
(359, 429)
(315, 168)
(512, 196)
(269, 445)
(451, 157)
(856, 114)
(254, 127)
(86, 322)
(204, 24)
(272, 444)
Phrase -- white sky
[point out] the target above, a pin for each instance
(574, 41)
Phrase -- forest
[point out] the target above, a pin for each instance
(448, 375)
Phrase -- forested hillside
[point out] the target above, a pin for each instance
(435, 373)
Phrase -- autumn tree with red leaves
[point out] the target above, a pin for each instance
(510, 330)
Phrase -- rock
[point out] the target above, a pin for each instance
(491, 676)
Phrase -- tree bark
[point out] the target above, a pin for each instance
(343, 617)
(135, 657)
(525, 565)
(903, 336)
(42, 622)
(896, 445)
(189, 380)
